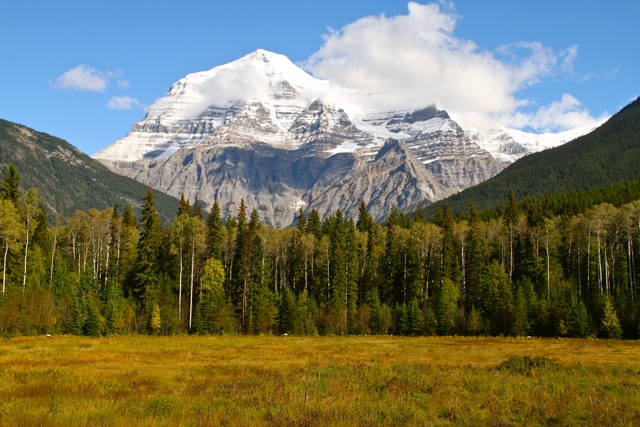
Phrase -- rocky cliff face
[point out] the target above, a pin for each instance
(262, 130)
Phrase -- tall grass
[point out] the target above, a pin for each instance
(368, 381)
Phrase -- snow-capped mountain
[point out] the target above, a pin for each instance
(263, 130)
(262, 92)
(508, 145)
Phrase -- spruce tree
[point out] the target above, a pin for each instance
(184, 208)
(146, 267)
(365, 221)
(215, 233)
(196, 210)
(302, 221)
(11, 185)
(239, 279)
(93, 323)
(415, 319)
(287, 312)
(610, 323)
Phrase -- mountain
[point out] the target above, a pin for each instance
(67, 179)
(608, 155)
(509, 145)
(262, 130)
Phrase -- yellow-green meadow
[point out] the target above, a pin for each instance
(364, 381)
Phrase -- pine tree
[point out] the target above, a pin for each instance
(93, 324)
(215, 233)
(365, 221)
(287, 312)
(447, 307)
(196, 210)
(314, 225)
(610, 323)
(477, 259)
(415, 319)
(240, 273)
(146, 266)
(184, 208)
(400, 320)
(11, 185)
(520, 325)
(577, 319)
(302, 221)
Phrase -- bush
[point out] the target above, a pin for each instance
(526, 364)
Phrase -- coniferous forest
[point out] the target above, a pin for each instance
(529, 271)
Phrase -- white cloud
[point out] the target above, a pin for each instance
(567, 113)
(228, 86)
(123, 103)
(83, 77)
(123, 84)
(414, 60)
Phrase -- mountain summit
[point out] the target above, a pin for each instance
(263, 130)
(200, 103)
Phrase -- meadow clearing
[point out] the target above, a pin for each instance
(362, 381)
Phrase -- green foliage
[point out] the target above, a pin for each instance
(530, 272)
(610, 323)
(93, 323)
(155, 323)
(608, 155)
(448, 307)
(11, 185)
(67, 179)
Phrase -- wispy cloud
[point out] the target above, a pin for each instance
(413, 60)
(123, 103)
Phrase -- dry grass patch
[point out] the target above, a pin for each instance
(365, 381)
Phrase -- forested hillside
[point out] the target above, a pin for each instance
(67, 179)
(529, 272)
(608, 155)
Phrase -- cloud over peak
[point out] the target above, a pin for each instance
(409, 61)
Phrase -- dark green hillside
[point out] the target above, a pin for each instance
(608, 155)
(67, 179)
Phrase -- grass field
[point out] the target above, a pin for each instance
(363, 381)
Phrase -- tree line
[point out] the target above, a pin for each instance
(527, 272)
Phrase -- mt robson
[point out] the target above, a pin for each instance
(262, 130)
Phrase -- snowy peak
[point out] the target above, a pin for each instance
(262, 92)
(260, 76)
(262, 130)
(508, 145)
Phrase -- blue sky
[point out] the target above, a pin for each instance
(85, 71)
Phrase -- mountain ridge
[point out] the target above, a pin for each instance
(264, 98)
(66, 178)
(609, 154)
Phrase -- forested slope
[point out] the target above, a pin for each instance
(608, 155)
(67, 179)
